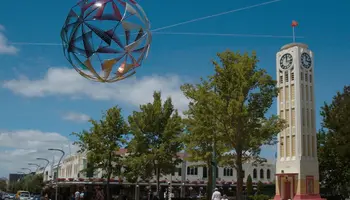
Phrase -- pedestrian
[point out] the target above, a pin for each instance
(224, 197)
(216, 195)
(77, 195)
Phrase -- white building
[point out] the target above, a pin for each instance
(186, 172)
(297, 163)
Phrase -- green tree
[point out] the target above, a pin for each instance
(157, 130)
(102, 143)
(241, 95)
(259, 188)
(249, 185)
(201, 133)
(333, 144)
(3, 185)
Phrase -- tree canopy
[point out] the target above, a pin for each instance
(102, 143)
(333, 144)
(156, 142)
(240, 97)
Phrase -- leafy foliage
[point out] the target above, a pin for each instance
(249, 185)
(333, 143)
(259, 188)
(103, 141)
(239, 96)
(3, 185)
(201, 133)
(157, 130)
(31, 183)
(260, 197)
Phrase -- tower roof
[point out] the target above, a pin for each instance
(287, 46)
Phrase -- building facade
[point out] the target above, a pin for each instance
(297, 175)
(187, 172)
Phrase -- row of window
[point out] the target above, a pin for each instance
(227, 172)
(302, 77)
(307, 95)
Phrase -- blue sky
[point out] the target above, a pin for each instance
(40, 93)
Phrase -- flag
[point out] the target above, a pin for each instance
(294, 23)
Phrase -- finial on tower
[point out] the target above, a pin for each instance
(294, 24)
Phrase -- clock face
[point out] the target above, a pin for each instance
(286, 61)
(306, 60)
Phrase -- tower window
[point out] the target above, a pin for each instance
(305, 77)
(313, 146)
(310, 78)
(303, 116)
(281, 79)
(293, 117)
(302, 91)
(292, 76)
(292, 92)
(288, 146)
(306, 93)
(287, 118)
(293, 145)
(286, 94)
(286, 76)
(268, 174)
(301, 75)
(281, 147)
(304, 145)
(280, 95)
(308, 146)
(307, 117)
(311, 93)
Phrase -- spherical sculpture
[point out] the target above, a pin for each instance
(106, 40)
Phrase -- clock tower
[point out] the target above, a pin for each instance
(297, 175)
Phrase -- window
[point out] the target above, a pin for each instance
(281, 147)
(304, 145)
(217, 172)
(287, 118)
(301, 75)
(205, 172)
(292, 76)
(281, 114)
(286, 76)
(280, 95)
(306, 93)
(310, 78)
(179, 171)
(306, 77)
(313, 146)
(243, 173)
(293, 116)
(268, 174)
(286, 93)
(228, 172)
(281, 79)
(311, 93)
(308, 145)
(288, 146)
(292, 92)
(261, 173)
(255, 174)
(312, 118)
(293, 145)
(192, 171)
(303, 116)
(302, 92)
(307, 117)
(173, 172)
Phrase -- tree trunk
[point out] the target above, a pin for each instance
(158, 184)
(239, 187)
(209, 186)
(107, 186)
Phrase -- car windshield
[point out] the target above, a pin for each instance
(24, 195)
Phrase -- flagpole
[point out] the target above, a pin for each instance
(293, 35)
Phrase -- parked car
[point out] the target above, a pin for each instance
(36, 197)
(25, 193)
(9, 196)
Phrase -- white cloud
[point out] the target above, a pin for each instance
(6, 48)
(18, 148)
(67, 82)
(76, 117)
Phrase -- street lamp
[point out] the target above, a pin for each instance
(60, 150)
(30, 171)
(33, 164)
(44, 173)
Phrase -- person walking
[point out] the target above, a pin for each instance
(216, 195)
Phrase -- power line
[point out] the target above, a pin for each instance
(155, 31)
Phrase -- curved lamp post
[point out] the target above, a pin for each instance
(30, 171)
(44, 159)
(33, 164)
(58, 165)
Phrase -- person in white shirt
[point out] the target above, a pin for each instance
(224, 197)
(77, 195)
(216, 195)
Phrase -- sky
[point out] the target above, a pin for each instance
(43, 100)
